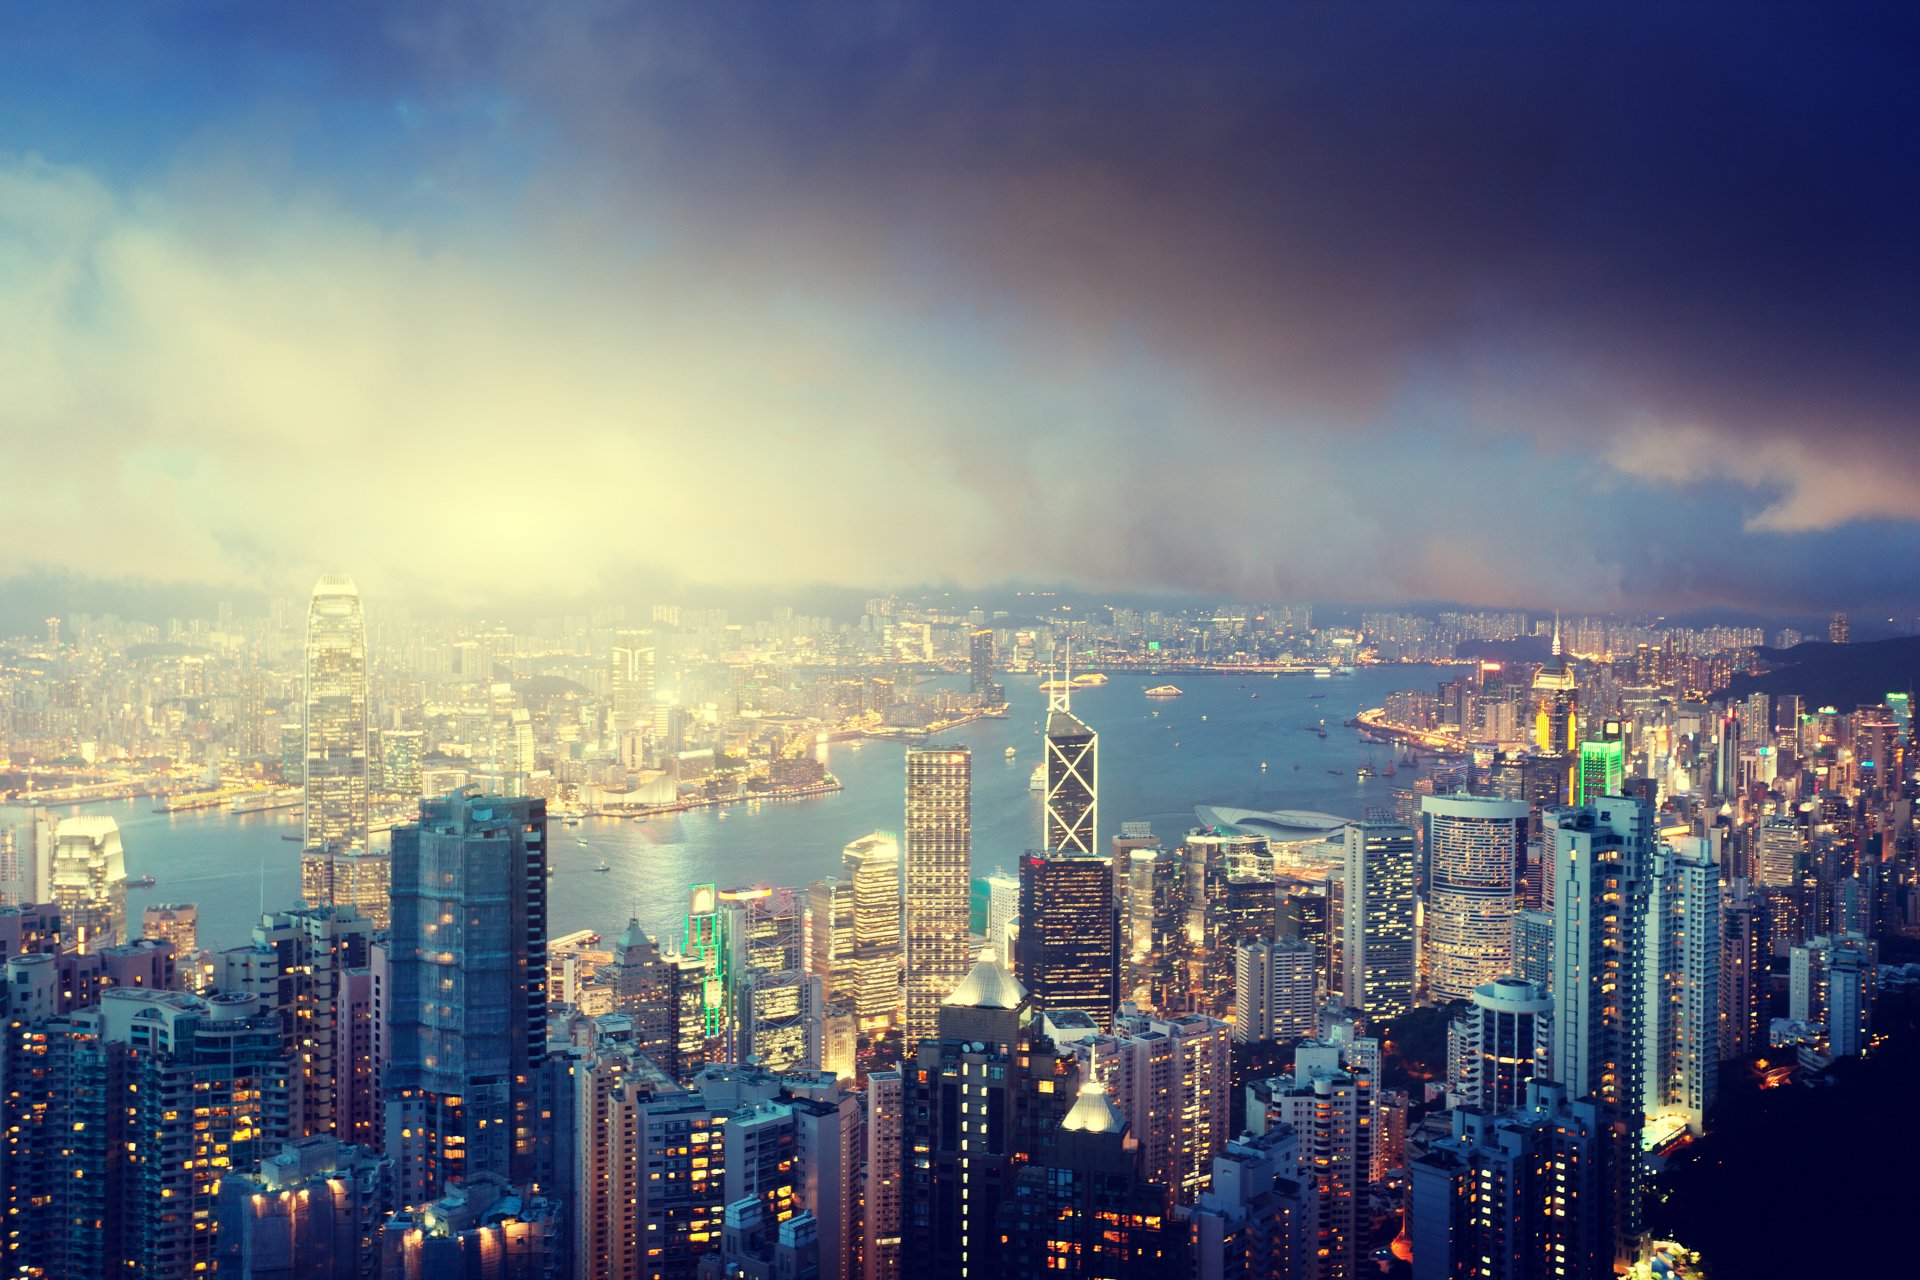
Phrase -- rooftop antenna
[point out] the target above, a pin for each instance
(1556, 633)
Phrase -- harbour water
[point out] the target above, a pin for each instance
(1158, 759)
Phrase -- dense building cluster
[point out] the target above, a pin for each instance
(1126, 1058)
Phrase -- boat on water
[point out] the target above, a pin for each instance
(141, 882)
(1088, 681)
(1323, 673)
(571, 822)
(1312, 696)
(603, 868)
(1334, 772)
(1164, 691)
(1038, 780)
(1011, 753)
(1263, 766)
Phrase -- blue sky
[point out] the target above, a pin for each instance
(1578, 308)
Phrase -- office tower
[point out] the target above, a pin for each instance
(1474, 850)
(872, 869)
(636, 985)
(979, 1098)
(980, 664)
(1603, 915)
(1603, 764)
(938, 849)
(1070, 819)
(1682, 994)
(1556, 717)
(882, 1223)
(1275, 991)
(178, 925)
(1067, 954)
(1781, 862)
(1376, 950)
(1230, 897)
(1839, 629)
(156, 1096)
(630, 682)
(1505, 1039)
(467, 1013)
(352, 879)
(778, 1019)
(302, 966)
(400, 757)
(483, 1227)
(336, 718)
(1156, 929)
(86, 879)
(613, 1084)
(1085, 1200)
(1533, 948)
(1256, 1216)
(1518, 1195)
(829, 937)
(311, 1212)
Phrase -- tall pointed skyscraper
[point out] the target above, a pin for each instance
(336, 868)
(1556, 725)
(1073, 774)
(938, 862)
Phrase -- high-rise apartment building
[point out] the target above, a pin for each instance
(1376, 953)
(882, 1221)
(1505, 1039)
(467, 1009)
(1067, 954)
(1275, 991)
(178, 925)
(314, 1210)
(1474, 849)
(937, 868)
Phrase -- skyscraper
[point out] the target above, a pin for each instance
(1603, 764)
(937, 862)
(1068, 952)
(1275, 990)
(87, 879)
(1376, 953)
(1474, 846)
(1556, 718)
(980, 664)
(467, 1020)
(872, 868)
(336, 868)
(1071, 816)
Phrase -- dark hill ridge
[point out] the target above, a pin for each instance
(1842, 676)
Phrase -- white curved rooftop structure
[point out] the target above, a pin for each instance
(335, 584)
(989, 986)
(1092, 1111)
(1285, 824)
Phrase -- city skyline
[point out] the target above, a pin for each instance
(1387, 255)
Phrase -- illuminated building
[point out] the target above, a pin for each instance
(178, 925)
(1070, 819)
(353, 879)
(400, 754)
(336, 720)
(1830, 991)
(1376, 952)
(1275, 991)
(1839, 629)
(612, 1084)
(1683, 974)
(829, 937)
(630, 682)
(312, 1211)
(1556, 717)
(157, 1097)
(1603, 765)
(1156, 929)
(1255, 1217)
(467, 1010)
(86, 879)
(1515, 1195)
(873, 872)
(829, 1158)
(1744, 979)
(1533, 948)
(980, 665)
(1604, 860)
(1474, 846)
(883, 1176)
(1172, 1079)
(309, 969)
(1330, 1110)
(1085, 1200)
(705, 943)
(937, 856)
(779, 1019)
(482, 1227)
(1067, 954)
(1229, 897)
(979, 1096)
(1506, 1041)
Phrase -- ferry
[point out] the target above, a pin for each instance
(141, 882)
(1323, 673)
(1011, 753)
(1164, 691)
(262, 801)
(1088, 681)
(581, 843)
(603, 868)
(1038, 782)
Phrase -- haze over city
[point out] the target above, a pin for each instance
(871, 641)
(1257, 300)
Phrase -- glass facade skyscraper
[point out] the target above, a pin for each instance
(938, 870)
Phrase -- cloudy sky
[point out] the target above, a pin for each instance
(1532, 305)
